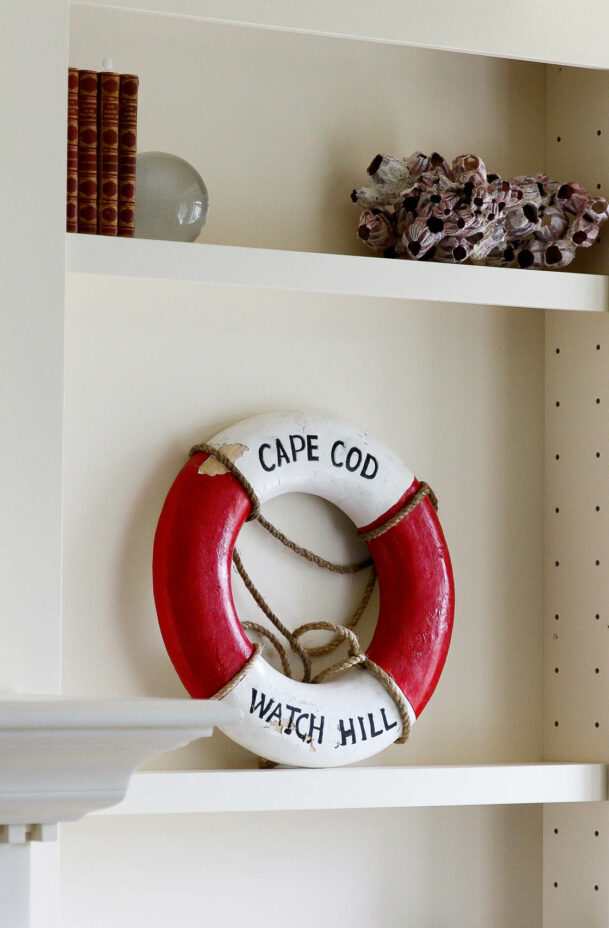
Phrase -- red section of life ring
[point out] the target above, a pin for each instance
(193, 551)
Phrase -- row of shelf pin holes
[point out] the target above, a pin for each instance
(597, 454)
(557, 511)
(599, 185)
(596, 835)
(597, 562)
(598, 132)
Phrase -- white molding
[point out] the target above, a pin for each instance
(61, 758)
(530, 32)
(286, 789)
(338, 274)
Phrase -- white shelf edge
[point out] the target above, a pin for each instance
(527, 34)
(173, 792)
(311, 272)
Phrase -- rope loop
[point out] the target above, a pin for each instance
(341, 633)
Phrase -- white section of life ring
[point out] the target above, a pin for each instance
(323, 725)
(352, 717)
(328, 457)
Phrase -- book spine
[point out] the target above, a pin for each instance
(107, 205)
(127, 151)
(87, 151)
(72, 175)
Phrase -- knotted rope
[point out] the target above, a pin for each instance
(342, 633)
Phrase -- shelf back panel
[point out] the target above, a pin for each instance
(400, 868)
(283, 126)
(153, 367)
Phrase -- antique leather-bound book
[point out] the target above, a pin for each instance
(107, 202)
(127, 150)
(87, 151)
(72, 174)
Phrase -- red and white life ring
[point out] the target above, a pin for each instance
(344, 719)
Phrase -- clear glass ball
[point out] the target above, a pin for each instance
(171, 199)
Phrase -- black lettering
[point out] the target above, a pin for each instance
(282, 454)
(303, 737)
(312, 447)
(277, 712)
(319, 728)
(262, 706)
(388, 727)
(346, 732)
(373, 730)
(260, 452)
(350, 466)
(360, 719)
(296, 451)
(370, 459)
(333, 453)
(293, 710)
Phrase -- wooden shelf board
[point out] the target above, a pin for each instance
(284, 789)
(338, 274)
(528, 33)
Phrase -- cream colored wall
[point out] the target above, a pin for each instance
(32, 193)
(414, 868)
(282, 127)
(153, 367)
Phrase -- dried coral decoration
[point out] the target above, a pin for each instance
(423, 208)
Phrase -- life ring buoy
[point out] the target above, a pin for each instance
(353, 716)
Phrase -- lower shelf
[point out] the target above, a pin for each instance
(360, 787)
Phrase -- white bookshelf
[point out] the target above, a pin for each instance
(348, 275)
(158, 344)
(193, 792)
(530, 32)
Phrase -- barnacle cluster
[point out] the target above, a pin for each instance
(424, 208)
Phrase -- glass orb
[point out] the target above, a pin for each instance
(171, 199)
